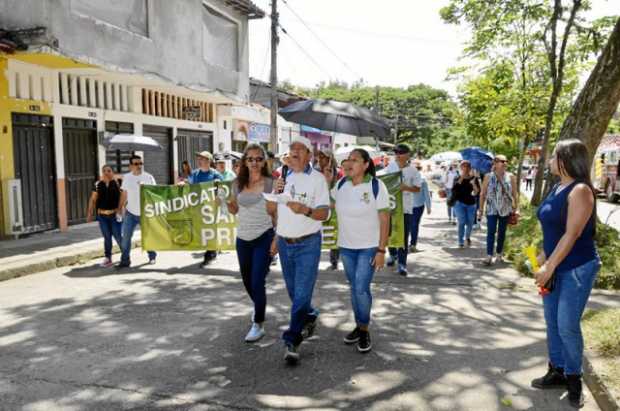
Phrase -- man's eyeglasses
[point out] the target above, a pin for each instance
(254, 159)
(501, 161)
(137, 164)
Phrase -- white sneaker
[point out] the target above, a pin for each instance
(500, 258)
(256, 333)
(106, 263)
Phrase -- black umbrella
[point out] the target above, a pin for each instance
(336, 116)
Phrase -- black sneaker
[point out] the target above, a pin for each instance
(334, 266)
(121, 266)
(353, 336)
(391, 262)
(468, 242)
(364, 345)
(553, 379)
(291, 355)
(309, 327)
(402, 272)
(575, 392)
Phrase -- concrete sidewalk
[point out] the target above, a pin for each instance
(52, 249)
(452, 336)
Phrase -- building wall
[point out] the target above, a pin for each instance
(171, 48)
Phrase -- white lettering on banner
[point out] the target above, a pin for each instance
(181, 203)
(392, 201)
(206, 235)
(192, 199)
(207, 214)
(148, 211)
(225, 236)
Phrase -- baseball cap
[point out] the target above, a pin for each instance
(219, 158)
(500, 157)
(402, 149)
(303, 140)
(205, 154)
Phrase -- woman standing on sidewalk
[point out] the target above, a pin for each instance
(570, 262)
(499, 196)
(363, 209)
(254, 230)
(464, 192)
(104, 203)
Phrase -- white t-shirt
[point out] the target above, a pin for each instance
(358, 213)
(131, 184)
(449, 178)
(411, 177)
(310, 188)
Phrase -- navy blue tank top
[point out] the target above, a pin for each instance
(552, 214)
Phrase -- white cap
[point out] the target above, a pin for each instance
(303, 140)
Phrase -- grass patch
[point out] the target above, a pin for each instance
(528, 232)
(601, 329)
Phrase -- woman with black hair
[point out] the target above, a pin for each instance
(569, 265)
(363, 209)
(254, 230)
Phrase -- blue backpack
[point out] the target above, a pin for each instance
(374, 182)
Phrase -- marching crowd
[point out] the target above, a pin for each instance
(291, 229)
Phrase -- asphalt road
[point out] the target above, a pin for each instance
(453, 336)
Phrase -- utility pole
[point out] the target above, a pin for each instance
(274, 77)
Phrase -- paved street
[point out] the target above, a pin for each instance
(170, 336)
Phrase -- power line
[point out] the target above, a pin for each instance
(344, 63)
(305, 52)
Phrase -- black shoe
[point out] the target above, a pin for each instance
(309, 327)
(575, 394)
(353, 336)
(364, 345)
(120, 266)
(468, 241)
(334, 266)
(390, 262)
(291, 355)
(553, 379)
(404, 273)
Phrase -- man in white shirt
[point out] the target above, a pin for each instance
(298, 240)
(129, 206)
(448, 180)
(411, 183)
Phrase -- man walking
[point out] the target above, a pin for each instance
(205, 174)
(299, 240)
(448, 180)
(129, 207)
(411, 182)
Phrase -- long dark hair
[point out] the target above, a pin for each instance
(366, 157)
(573, 160)
(243, 178)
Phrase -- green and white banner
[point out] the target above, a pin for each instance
(189, 217)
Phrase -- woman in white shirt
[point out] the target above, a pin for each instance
(363, 208)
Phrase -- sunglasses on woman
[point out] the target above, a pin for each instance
(254, 159)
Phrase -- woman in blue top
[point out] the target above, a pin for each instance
(570, 261)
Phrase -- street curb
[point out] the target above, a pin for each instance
(597, 387)
(57, 262)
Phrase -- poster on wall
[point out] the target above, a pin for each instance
(259, 133)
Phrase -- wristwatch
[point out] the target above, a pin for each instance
(308, 213)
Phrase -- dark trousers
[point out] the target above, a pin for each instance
(334, 256)
(416, 218)
(496, 224)
(110, 228)
(254, 261)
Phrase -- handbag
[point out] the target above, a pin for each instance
(442, 193)
(452, 200)
(513, 218)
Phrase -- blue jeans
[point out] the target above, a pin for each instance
(563, 309)
(359, 270)
(416, 217)
(254, 261)
(451, 212)
(110, 228)
(130, 221)
(401, 253)
(466, 216)
(496, 224)
(300, 266)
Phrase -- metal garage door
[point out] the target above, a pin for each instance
(33, 150)
(81, 165)
(159, 163)
(118, 159)
(189, 142)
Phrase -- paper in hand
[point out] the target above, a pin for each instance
(282, 198)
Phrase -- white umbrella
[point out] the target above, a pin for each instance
(343, 152)
(447, 156)
(131, 142)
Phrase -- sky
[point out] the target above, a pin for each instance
(389, 43)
